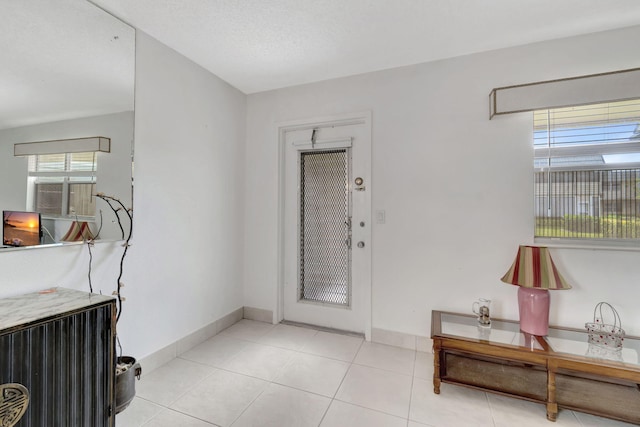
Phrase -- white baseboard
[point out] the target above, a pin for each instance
(170, 352)
(400, 339)
(186, 343)
(382, 336)
(259, 314)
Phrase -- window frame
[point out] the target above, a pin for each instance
(598, 148)
(64, 176)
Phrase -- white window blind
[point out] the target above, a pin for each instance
(587, 171)
(63, 162)
(63, 184)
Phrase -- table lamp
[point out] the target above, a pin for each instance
(535, 273)
(78, 231)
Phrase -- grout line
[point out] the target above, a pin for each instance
(413, 378)
(326, 411)
(353, 359)
(491, 411)
(250, 403)
(382, 369)
(576, 417)
(185, 414)
(164, 408)
(373, 410)
(341, 382)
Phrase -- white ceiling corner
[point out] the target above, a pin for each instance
(258, 45)
(49, 73)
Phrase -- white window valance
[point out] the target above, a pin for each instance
(583, 90)
(58, 146)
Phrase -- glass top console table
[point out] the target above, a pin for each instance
(558, 370)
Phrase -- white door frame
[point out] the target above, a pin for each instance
(363, 118)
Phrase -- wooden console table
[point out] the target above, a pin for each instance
(559, 370)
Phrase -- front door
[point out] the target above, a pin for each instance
(326, 224)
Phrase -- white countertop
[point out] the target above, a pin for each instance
(36, 306)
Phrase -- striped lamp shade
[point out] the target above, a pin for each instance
(534, 268)
(78, 231)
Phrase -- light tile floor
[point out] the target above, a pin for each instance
(257, 374)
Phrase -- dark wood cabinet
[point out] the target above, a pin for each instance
(59, 344)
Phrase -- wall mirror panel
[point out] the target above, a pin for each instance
(66, 72)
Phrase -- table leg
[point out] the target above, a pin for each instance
(552, 406)
(436, 366)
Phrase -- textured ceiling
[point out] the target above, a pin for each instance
(258, 45)
(62, 59)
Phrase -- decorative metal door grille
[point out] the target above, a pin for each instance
(325, 228)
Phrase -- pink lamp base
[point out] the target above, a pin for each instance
(533, 304)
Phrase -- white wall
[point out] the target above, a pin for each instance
(184, 268)
(456, 187)
(27, 270)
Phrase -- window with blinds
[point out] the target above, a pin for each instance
(587, 171)
(63, 184)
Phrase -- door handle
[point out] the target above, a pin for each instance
(361, 244)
